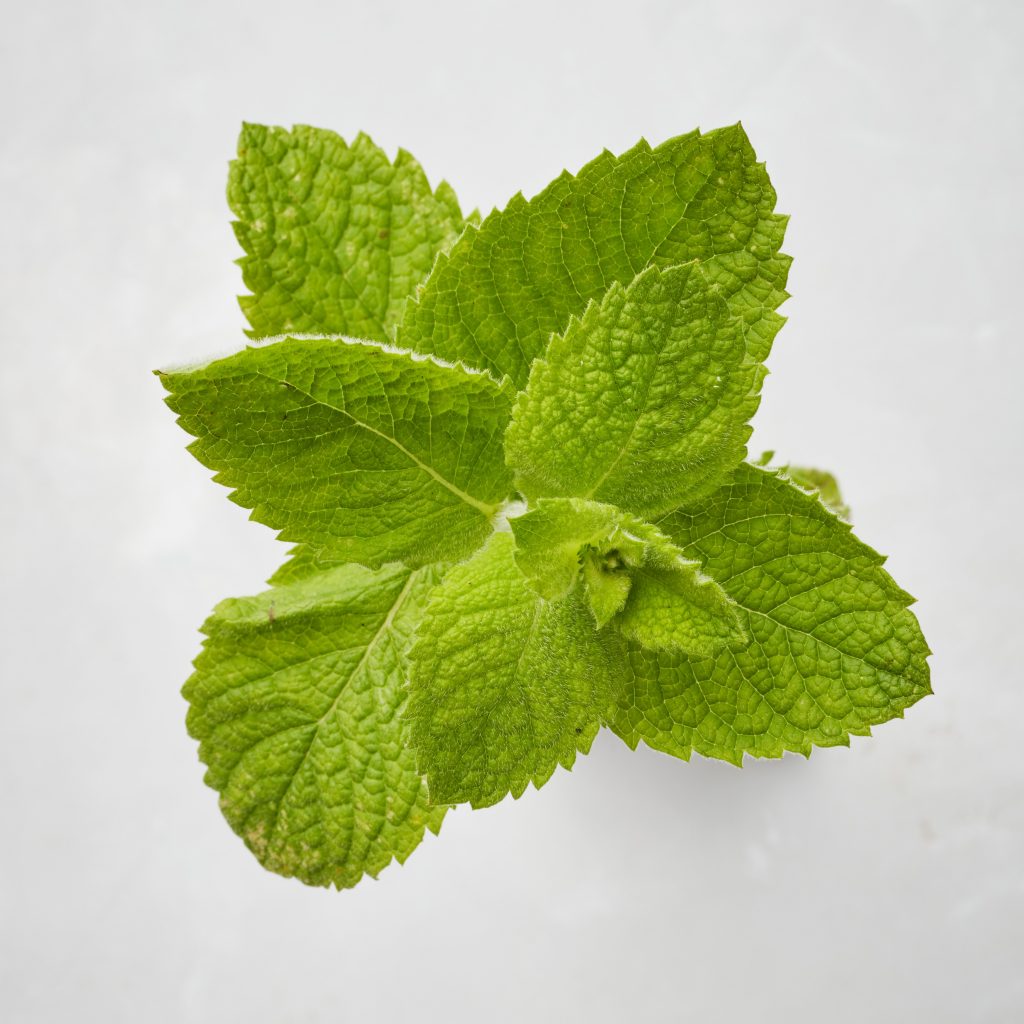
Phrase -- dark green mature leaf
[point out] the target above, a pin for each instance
(505, 686)
(643, 403)
(295, 702)
(833, 647)
(502, 290)
(336, 236)
(361, 452)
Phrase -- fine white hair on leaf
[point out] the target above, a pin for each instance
(276, 339)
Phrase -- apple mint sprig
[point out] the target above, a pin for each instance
(509, 454)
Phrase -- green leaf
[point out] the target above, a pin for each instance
(554, 538)
(833, 647)
(295, 703)
(364, 453)
(819, 480)
(502, 290)
(596, 351)
(607, 590)
(634, 577)
(505, 686)
(822, 482)
(337, 237)
(642, 403)
(678, 609)
(304, 561)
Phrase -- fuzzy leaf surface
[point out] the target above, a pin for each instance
(295, 702)
(677, 608)
(833, 647)
(336, 236)
(644, 402)
(820, 480)
(505, 686)
(495, 298)
(633, 577)
(362, 453)
(553, 538)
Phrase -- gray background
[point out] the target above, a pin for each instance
(884, 882)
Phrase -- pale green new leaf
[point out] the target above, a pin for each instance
(363, 453)
(553, 538)
(607, 590)
(679, 609)
(505, 686)
(833, 647)
(824, 483)
(337, 237)
(819, 480)
(295, 702)
(502, 290)
(634, 578)
(643, 403)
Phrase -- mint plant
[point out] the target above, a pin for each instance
(509, 454)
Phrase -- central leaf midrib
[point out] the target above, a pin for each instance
(480, 506)
(332, 707)
(641, 410)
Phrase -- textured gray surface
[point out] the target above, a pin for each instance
(882, 882)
